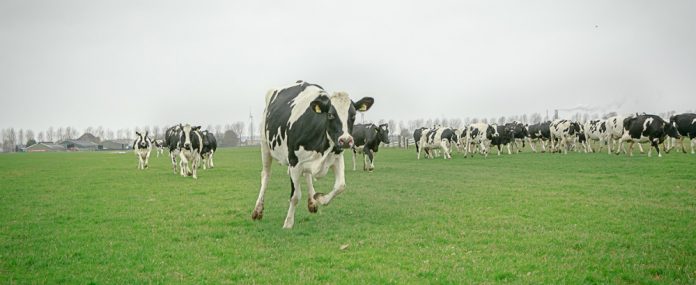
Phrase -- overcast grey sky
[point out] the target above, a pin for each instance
(135, 63)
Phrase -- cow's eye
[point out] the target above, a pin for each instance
(331, 116)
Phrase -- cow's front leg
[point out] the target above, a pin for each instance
(266, 160)
(147, 159)
(295, 196)
(194, 167)
(339, 183)
(312, 204)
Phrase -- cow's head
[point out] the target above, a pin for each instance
(187, 132)
(492, 132)
(575, 128)
(143, 141)
(340, 112)
(671, 129)
(383, 133)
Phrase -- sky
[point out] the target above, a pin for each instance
(121, 64)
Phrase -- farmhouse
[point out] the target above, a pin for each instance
(87, 137)
(45, 147)
(117, 144)
(80, 145)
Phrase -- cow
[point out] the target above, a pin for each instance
(596, 130)
(539, 132)
(580, 143)
(519, 133)
(481, 135)
(190, 149)
(367, 138)
(306, 129)
(142, 147)
(505, 138)
(565, 131)
(209, 149)
(417, 136)
(685, 124)
(615, 130)
(646, 128)
(172, 136)
(159, 144)
(438, 138)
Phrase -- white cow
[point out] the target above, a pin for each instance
(481, 135)
(565, 131)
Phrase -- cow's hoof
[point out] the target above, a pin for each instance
(257, 214)
(312, 206)
(289, 222)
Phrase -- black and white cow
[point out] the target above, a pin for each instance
(306, 129)
(480, 135)
(367, 138)
(615, 130)
(565, 132)
(190, 149)
(505, 137)
(208, 150)
(159, 145)
(596, 130)
(646, 128)
(539, 132)
(417, 136)
(519, 133)
(438, 138)
(685, 124)
(142, 147)
(172, 136)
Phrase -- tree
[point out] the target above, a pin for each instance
(50, 134)
(501, 120)
(30, 142)
(40, 137)
(238, 128)
(29, 135)
(20, 137)
(535, 118)
(230, 138)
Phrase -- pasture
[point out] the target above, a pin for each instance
(527, 218)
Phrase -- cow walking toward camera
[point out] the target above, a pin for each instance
(172, 136)
(306, 129)
(142, 147)
(190, 148)
(367, 138)
(480, 135)
(159, 146)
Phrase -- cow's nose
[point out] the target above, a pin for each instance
(345, 141)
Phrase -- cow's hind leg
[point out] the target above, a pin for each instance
(266, 160)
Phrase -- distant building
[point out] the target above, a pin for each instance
(78, 145)
(117, 145)
(45, 147)
(87, 137)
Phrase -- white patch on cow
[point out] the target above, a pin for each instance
(437, 142)
(341, 102)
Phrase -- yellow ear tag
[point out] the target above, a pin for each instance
(363, 108)
(317, 109)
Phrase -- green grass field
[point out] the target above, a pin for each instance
(80, 218)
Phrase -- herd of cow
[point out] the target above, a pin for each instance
(306, 129)
(190, 144)
(561, 135)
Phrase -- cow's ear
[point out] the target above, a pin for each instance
(196, 128)
(364, 104)
(146, 134)
(137, 133)
(321, 105)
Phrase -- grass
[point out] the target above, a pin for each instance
(527, 218)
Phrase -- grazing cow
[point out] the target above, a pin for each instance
(646, 128)
(505, 138)
(596, 130)
(685, 124)
(367, 138)
(172, 136)
(519, 133)
(417, 134)
(159, 144)
(481, 135)
(580, 139)
(142, 147)
(438, 138)
(208, 150)
(539, 132)
(565, 131)
(306, 129)
(190, 149)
